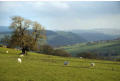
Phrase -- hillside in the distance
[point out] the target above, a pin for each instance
(4, 29)
(54, 38)
(101, 48)
(96, 35)
(61, 38)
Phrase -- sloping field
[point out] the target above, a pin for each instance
(98, 47)
(39, 67)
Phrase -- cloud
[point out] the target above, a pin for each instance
(106, 21)
(49, 5)
(61, 5)
(64, 15)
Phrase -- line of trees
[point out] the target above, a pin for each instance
(47, 49)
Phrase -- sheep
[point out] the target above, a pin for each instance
(7, 51)
(92, 64)
(21, 55)
(66, 62)
(19, 60)
(81, 57)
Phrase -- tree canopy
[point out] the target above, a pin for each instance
(26, 33)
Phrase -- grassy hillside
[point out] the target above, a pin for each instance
(39, 67)
(103, 47)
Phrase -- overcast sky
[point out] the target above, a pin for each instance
(64, 15)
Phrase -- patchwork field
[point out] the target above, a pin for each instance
(40, 67)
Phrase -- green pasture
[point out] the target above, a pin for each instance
(41, 67)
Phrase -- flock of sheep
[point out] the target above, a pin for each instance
(65, 62)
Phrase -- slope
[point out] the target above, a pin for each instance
(103, 48)
(39, 67)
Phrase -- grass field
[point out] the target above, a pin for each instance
(40, 67)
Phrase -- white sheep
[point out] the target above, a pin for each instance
(92, 64)
(66, 62)
(19, 60)
(7, 51)
(81, 57)
(21, 55)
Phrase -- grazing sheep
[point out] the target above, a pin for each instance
(81, 57)
(92, 64)
(19, 60)
(6, 51)
(21, 55)
(66, 62)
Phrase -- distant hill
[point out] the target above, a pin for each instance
(54, 38)
(102, 48)
(60, 38)
(4, 29)
(109, 31)
(94, 35)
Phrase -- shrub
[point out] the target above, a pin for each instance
(59, 52)
(118, 59)
(47, 49)
(1, 45)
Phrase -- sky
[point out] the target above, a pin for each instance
(65, 15)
